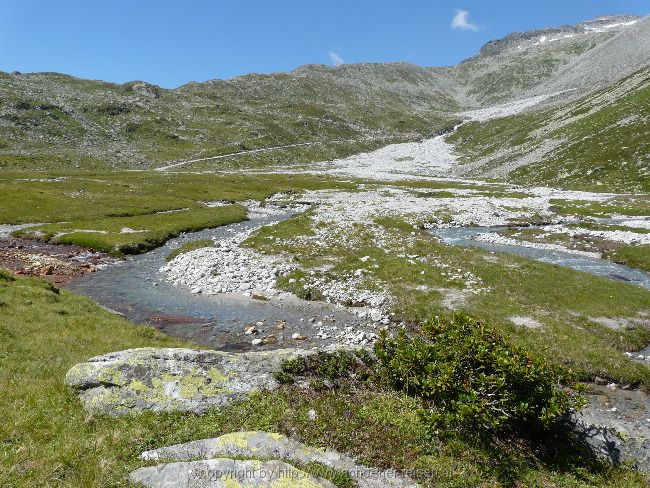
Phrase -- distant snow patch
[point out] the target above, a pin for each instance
(606, 27)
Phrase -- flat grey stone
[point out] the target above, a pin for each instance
(265, 445)
(226, 473)
(137, 380)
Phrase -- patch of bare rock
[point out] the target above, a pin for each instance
(214, 461)
(168, 379)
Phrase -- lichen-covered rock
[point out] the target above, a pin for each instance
(267, 445)
(169, 379)
(227, 473)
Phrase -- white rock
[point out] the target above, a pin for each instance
(375, 315)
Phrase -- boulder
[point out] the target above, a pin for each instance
(230, 473)
(168, 379)
(616, 425)
(265, 445)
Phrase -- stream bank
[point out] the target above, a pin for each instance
(137, 288)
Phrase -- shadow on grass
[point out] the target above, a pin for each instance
(567, 448)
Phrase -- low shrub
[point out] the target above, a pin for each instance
(471, 379)
(5, 275)
(328, 370)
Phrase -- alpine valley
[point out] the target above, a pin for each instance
(366, 275)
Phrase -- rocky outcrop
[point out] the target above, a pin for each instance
(153, 379)
(517, 39)
(262, 445)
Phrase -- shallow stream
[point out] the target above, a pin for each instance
(136, 288)
(466, 236)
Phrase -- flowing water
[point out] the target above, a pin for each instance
(466, 236)
(136, 288)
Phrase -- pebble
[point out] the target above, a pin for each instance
(270, 340)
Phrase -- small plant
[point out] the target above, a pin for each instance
(310, 293)
(328, 370)
(6, 276)
(469, 378)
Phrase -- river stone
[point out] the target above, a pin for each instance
(169, 379)
(230, 473)
(267, 445)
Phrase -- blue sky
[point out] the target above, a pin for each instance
(173, 42)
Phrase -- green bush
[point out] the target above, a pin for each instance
(470, 379)
(327, 370)
(6, 275)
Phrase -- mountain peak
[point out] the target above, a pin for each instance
(523, 40)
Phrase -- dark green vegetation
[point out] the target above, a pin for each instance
(190, 246)
(597, 143)
(470, 378)
(330, 370)
(48, 439)
(634, 256)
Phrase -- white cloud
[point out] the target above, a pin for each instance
(461, 21)
(335, 59)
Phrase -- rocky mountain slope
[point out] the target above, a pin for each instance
(49, 120)
(601, 141)
(548, 61)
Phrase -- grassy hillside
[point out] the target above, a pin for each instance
(494, 79)
(599, 142)
(52, 121)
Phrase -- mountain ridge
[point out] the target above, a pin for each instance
(50, 120)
